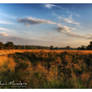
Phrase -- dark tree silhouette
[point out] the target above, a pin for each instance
(89, 47)
(51, 47)
(68, 47)
(1, 45)
(9, 45)
(82, 47)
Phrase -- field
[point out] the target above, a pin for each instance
(45, 68)
(12, 51)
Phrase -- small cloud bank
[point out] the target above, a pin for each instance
(33, 21)
(60, 28)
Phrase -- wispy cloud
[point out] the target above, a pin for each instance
(68, 31)
(3, 29)
(49, 6)
(60, 28)
(6, 31)
(71, 21)
(89, 36)
(5, 22)
(68, 20)
(8, 15)
(33, 21)
(9, 31)
(73, 34)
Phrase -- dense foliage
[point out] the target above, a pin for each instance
(46, 70)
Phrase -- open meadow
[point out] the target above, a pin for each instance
(12, 51)
(45, 68)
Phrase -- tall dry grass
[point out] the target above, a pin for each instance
(47, 69)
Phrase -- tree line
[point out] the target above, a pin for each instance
(11, 45)
(89, 47)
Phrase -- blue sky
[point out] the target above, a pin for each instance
(46, 24)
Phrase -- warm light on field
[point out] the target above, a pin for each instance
(6, 52)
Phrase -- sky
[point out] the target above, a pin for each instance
(59, 25)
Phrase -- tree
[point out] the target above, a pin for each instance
(68, 47)
(91, 43)
(9, 45)
(51, 47)
(1, 45)
(89, 47)
(82, 47)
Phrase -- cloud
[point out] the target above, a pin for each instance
(89, 36)
(72, 34)
(60, 28)
(68, 20)
(49, 6)
(33, 21)
(86, 36)
(3, 34)
(68, 31)
(5, 22)
(3, 29)
(7, 29)
(71, 21)
(8, 15)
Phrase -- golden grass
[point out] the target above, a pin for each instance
(51, 67)
(6, 52)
